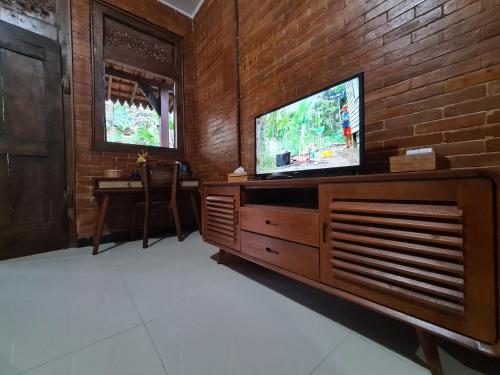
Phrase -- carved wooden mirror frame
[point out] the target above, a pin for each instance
(130, 41)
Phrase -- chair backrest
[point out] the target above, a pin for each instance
(160, 176)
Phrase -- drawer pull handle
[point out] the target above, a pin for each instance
(269, 222)
(269, 250)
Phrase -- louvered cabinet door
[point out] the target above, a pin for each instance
(425, 248)
(221, 216)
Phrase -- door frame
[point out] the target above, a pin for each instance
(63, 24)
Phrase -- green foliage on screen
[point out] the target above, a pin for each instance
(313, 123)
(132, 125)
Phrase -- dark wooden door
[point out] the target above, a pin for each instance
(425, 248)
(221, 216)
(32, 157)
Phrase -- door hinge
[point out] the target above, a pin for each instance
(66, 85)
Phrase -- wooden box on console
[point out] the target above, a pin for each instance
(418, 162)
(239, 177)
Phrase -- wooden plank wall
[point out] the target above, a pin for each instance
(432, 72)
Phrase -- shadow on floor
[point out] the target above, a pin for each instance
(392, 334)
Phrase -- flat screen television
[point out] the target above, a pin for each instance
(320, 134)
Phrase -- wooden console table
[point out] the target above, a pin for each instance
(422, 248)
(107, 188)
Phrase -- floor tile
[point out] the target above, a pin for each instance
(51, 307)
(67, 312)
(357, 355)
(128, 353)
(54, 255)
(235, 331)
(169, 273)
(5, 268)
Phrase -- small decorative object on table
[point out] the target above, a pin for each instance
(113, 173)
(143, 157)
(185, 172)
(239, 175)
(423, 159)
(136, 175)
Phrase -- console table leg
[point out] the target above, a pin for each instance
(99, 224)
(431, 353)
(220, 259)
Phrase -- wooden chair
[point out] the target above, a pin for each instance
(160, 178)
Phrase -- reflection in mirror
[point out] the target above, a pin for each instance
(140, 107)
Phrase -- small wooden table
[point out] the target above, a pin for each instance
(117, 187)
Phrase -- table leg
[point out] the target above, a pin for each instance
(195, 210)
(99, 225)
(430, 349)
(177, 221)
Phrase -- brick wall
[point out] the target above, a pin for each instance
(90, 164)
(216, 89)
(432, 71)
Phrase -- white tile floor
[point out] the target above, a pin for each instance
(172, 310)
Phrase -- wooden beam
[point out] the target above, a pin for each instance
(150, 96)
(134, 91)
(164, 131)
(136, 78)
(110, 83)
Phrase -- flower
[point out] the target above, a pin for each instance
(142, 157)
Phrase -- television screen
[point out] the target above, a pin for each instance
(320, 132)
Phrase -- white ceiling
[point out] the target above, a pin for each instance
(187, 7)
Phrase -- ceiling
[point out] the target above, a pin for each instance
(187, 7)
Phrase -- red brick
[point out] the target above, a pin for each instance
(413, 48)
(453, 5)
(492, 145)
(478, 76)
(414, 118)
(477, 105)
(389, 134)
(477, 132)
(479, 160)
(428, 5)
(446, 72)
(451, 123)
(442, 100)
(413, 25)
(414, 141)
(446, 21)
(387, 91)
(384, 7)
(416, 94)
(472, 22)
(402, 7)
(446, 47)
(490, 30)
(459, 148)
(494, 117)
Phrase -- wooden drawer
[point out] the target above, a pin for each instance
(301, 259)
(290, 223)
